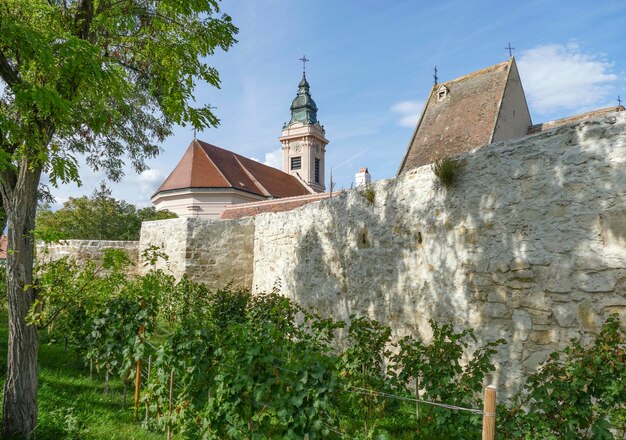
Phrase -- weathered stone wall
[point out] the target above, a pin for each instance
(215, 252)
(529, 246)
(84, 250)
(168, 236)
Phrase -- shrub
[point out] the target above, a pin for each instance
(577, 393)
(369, 194)
(447, 170)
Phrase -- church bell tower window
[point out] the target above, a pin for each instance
(296, 163)
(317, 170)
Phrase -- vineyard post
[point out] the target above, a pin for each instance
(148, 380)
(417, 404)
(138, 374)
(106, 380)
(489, 413)
(169, 424)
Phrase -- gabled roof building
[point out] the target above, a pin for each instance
(208, 179)
(480, 108)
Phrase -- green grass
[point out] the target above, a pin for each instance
(73, 406)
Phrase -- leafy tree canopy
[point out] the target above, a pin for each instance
(98, 217)
(105, 79)
(102, 78)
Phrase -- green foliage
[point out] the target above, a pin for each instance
(577, 393)
(3, 288)
(369, 194)
(71, 404)
(105, 80)
(447, 170)
(99, 217)
(439, 376)
(3, 216)
(258, 366)
(102, 79)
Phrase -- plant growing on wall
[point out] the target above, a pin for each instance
(368, 194)
(447, 170)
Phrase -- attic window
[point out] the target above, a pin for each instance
(442, 93)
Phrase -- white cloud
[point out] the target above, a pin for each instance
(409, 112)
(274, 159)
(560, 77)
(147, 183)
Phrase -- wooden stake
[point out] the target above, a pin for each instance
(169, 424)
(417, 405)
(138, 376)
(90, 369)
(125, 388)
(106, 381)
(147, 380)
(489, 413)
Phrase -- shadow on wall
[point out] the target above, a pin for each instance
(530, 246)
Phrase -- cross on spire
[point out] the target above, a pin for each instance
(619, 101)
(304, 61)
(510, 49)
(435, 76)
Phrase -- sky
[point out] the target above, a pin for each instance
(371, 69)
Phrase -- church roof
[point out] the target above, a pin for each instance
(206, 166)
(459, 116)
(278, 205)
(303, 108)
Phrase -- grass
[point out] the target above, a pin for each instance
(73, 406)
(447, 170)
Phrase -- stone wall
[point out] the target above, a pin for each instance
(167, 236)
(529, 246)
(215, 252)
(83, 250)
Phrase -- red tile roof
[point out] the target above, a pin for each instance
(280, 205)
(462, 121)
(4, 245)
(206, 166)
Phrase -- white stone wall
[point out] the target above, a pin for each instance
(529, 246)
(215, 252)
(84, 250)
(168, 236)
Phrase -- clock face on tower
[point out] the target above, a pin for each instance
(297, 147)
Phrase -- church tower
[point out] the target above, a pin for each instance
(304, 142)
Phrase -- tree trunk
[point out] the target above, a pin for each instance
(19, 192)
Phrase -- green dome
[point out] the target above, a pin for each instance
(303, 108)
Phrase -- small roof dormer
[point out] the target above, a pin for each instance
(442, 93)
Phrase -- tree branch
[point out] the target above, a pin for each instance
(84, 17)
(7, 72)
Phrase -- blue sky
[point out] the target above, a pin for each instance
(370, 70)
